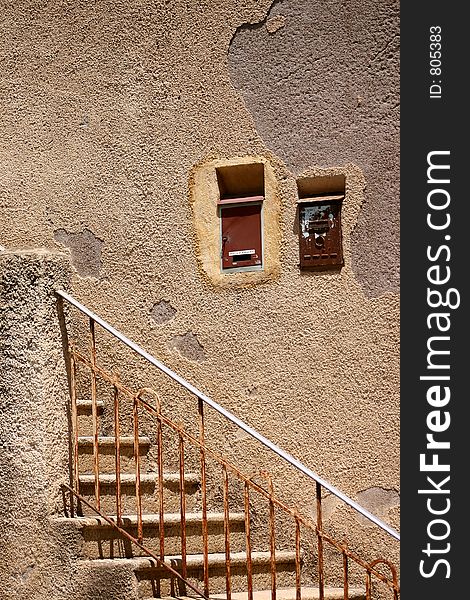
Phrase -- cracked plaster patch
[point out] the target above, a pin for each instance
(162, 312)
(323, 105)
(188, 346)
(378, 501)
(85, 248)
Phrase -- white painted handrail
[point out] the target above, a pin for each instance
(228, 415)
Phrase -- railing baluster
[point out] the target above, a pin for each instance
(94, 412)
(272, 537)
(321, 580)
(184, 437)
(368, 586)
(161, 513)
(205, 537)
(393, 570)
(346, 575)
(73, 398)
(138, 492)
(183, 507)
(117, 455)
(228, 578)
(249, 570)
(298, 593)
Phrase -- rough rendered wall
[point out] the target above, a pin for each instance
(37, 558)
(108, 108)
(33, 421)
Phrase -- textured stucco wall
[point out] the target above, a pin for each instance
(108, 108)
(33, 422)
(38, 557)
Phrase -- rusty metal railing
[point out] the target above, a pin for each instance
(147, 401)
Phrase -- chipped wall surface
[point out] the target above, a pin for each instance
(162, 311)
(108, 111)
(321, 80)
(85, 250)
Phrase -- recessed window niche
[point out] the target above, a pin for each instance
(236, 211)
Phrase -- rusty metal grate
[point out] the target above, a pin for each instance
(145, 401)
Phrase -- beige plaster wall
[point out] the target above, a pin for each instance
(107, 111)
(38, 557)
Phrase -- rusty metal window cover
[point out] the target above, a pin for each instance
(320, 236)
(241, 227)
(240, 208)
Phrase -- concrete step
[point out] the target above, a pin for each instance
(307, 593)
(106, 453)
(111, 580)
(85, 406)
(152, 578)
(114, 570)
(153, 520)
(149, 489)
(196, 561)
(86, 441)
(129, 479)
(237, 559)
(99, 539)
(84, 415)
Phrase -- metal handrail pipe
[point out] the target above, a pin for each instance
(228, 415)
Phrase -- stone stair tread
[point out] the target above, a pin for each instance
(236, 558)
(87, 404)
(151, 519)
(193, 560)
(307, 593)
(110, 478)
(87, 440)
(131, 564)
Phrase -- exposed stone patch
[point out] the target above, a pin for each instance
(27, 572)
(378, 501)
(188, 346)
(162, 312)
(276, 23)
(85, 250)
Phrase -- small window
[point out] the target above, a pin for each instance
(320, 237)
(240, 204)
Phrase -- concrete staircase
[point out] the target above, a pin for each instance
(102, 550)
